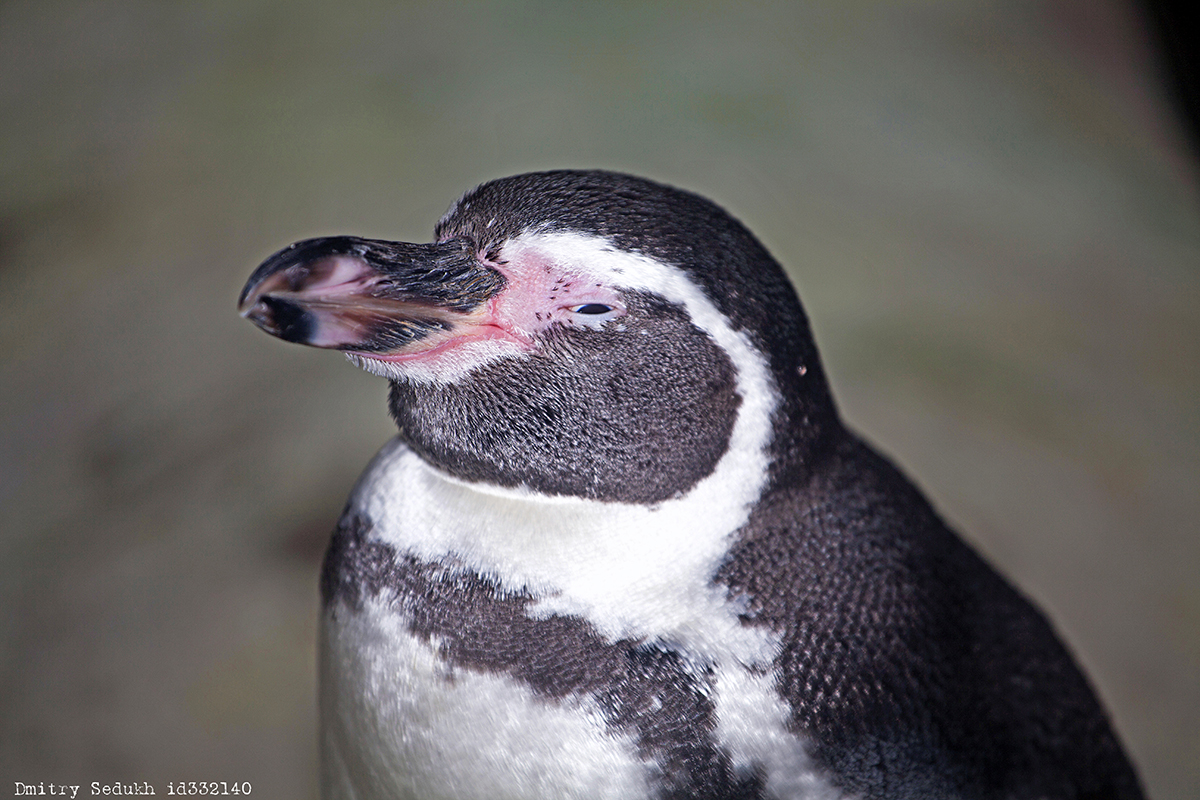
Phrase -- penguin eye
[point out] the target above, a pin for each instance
(592, 315)
(592, 308)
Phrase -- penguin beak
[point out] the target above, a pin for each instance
(370, 296)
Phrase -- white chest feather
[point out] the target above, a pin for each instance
(398, 722)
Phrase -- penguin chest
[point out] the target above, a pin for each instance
(403, 717)
(472, 648)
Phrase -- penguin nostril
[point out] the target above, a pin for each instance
(285, 319)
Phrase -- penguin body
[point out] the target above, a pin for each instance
(624, 547)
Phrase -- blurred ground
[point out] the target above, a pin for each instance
(989, 210)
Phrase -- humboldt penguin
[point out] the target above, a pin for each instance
(624, 547)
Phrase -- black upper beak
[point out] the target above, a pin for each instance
(366, 295)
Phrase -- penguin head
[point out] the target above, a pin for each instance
(577, 333)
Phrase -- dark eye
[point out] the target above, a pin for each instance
(592, 308)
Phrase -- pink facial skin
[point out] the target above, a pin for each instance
(538, 294)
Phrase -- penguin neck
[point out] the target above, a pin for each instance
(633, 571)
(641, 570)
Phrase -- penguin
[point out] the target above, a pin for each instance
(623, 545)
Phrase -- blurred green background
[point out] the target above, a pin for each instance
(988, 207)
